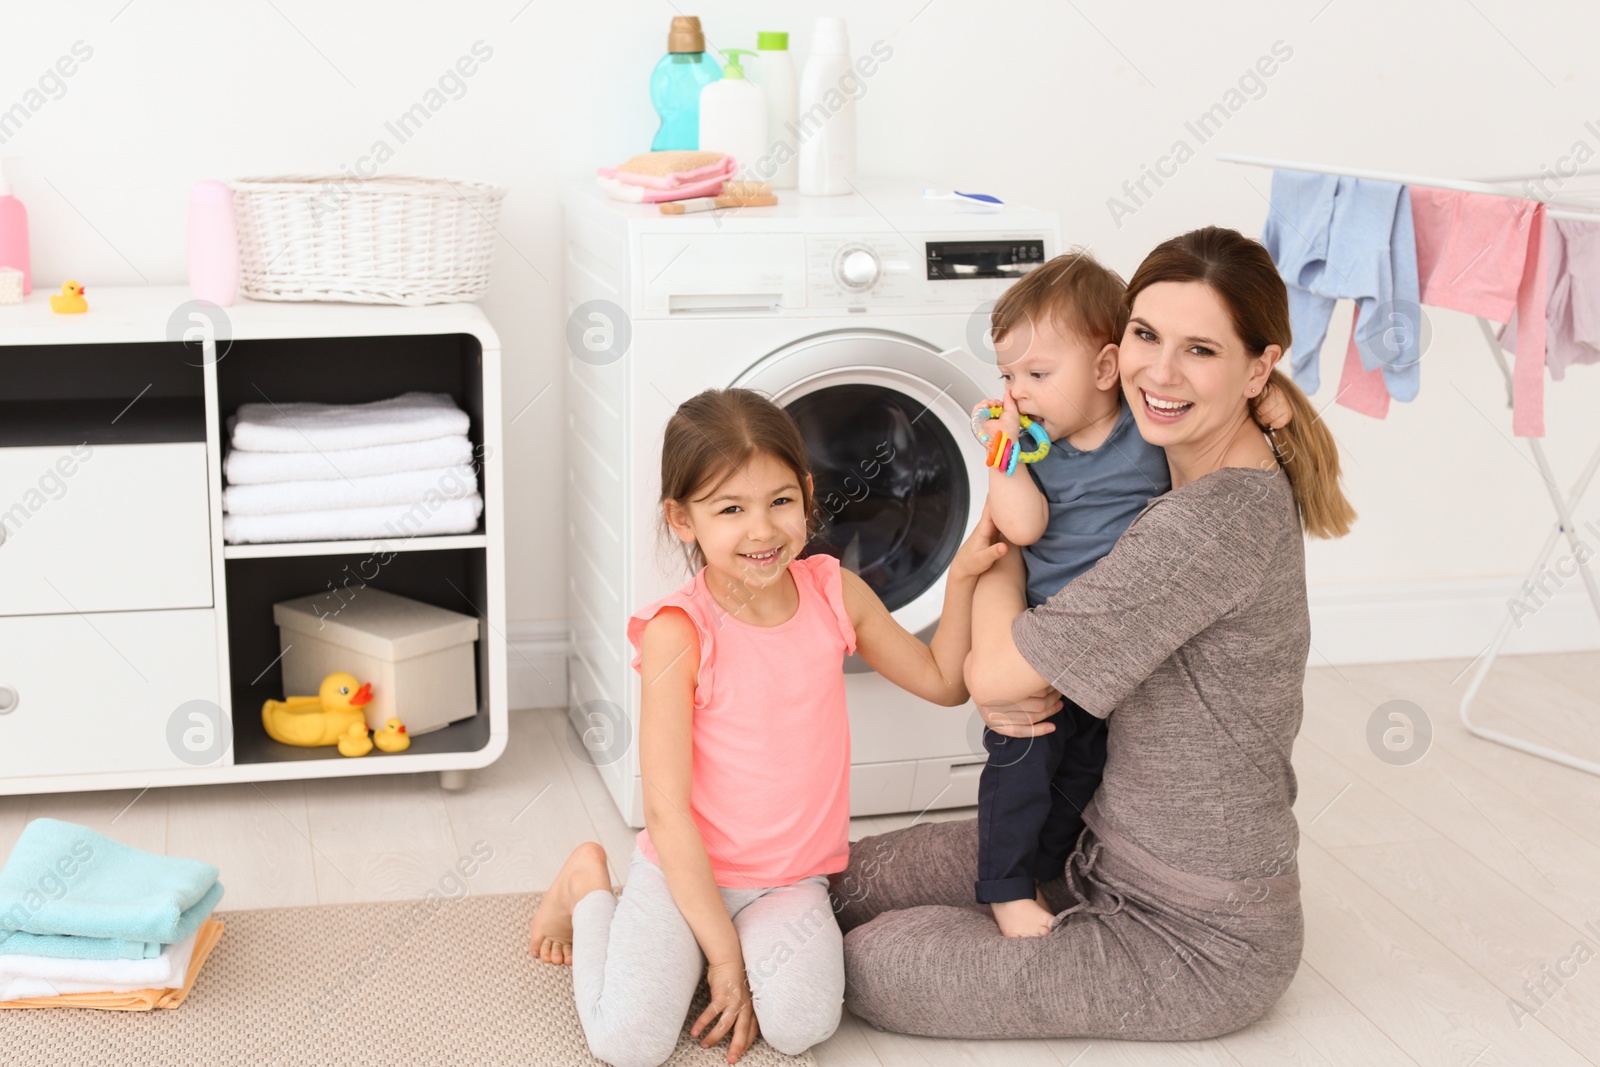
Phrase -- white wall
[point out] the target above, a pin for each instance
(1050, 104)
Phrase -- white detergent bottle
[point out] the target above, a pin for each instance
(733, 116)
(773, 70)
(827, 125)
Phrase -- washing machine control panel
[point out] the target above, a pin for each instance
(912, 271)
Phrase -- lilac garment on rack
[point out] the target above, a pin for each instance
(1572, 316)
(1333, 237)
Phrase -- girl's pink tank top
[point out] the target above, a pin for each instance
(771, 765)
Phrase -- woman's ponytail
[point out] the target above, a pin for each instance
(1309, 456)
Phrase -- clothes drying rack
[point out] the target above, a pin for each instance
(1563, 503)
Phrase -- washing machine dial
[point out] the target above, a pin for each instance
(857, 268)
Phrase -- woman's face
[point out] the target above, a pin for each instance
(1186, 374)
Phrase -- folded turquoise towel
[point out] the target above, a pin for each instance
(69, 891)
(73, 946)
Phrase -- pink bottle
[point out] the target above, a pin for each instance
(213, 243)
(14, 234)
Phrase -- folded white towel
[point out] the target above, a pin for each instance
(403, 488)
(423, 518)
(310, 427)
(47, 976)
(255, 468)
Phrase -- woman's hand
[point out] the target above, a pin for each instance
(1272, 410)
(1024, 718)
(731, 1006)
(980, 550)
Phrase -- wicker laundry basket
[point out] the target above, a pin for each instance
(388, 240)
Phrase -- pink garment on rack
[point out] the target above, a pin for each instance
(1484, 255)
(1572, 319)
(1361, 389)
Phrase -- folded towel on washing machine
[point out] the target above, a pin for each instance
(404, 487)
(420, 519)
(312, 427)
(658, 176)
(257, 468)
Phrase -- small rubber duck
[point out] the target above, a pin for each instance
(355, 742)
(320, 720)
(393, 736)
(70, 300)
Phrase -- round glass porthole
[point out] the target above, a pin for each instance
(891, 486)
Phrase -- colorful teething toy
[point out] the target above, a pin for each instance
(1004, 453)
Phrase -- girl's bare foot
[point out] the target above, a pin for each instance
(551, 933)
(1022, 918)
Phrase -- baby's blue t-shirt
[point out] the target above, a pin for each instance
(1094, 496)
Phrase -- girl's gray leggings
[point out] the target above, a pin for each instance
(636, 965)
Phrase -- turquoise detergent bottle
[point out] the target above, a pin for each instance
(676, 82)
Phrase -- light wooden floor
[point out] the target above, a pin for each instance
(1432, 892)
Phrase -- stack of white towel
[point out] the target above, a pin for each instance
(325, 472)
(23, 977)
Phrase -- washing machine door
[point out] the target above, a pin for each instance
(899, 480)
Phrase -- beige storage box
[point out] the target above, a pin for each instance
(418, 658)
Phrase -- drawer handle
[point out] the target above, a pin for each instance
(8, 700)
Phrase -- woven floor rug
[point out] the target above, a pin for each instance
(444, 983)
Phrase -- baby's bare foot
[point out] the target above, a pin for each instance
(1022, 918)
(550, 936)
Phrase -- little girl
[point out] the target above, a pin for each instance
(744, 748)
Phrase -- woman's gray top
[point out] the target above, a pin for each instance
(1178, 917)
(1195, 630)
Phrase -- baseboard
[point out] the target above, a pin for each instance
(536, 663)
(1380, 622)
(1448, 619)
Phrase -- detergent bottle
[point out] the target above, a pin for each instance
(14, 233)
(827, 136)
(773, 70)
(676, 82)
(733, 118)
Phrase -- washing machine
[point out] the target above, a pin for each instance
(866, 317)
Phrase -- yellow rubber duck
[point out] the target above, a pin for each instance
(320, 720)
(355, 742)
(70, 301)
(393, 736)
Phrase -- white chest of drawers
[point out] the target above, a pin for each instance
(135, 646)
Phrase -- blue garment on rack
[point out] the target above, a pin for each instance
(69, 891)
(1335, 237)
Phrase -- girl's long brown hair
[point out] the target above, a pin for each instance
(714, 433)
(1241, 272)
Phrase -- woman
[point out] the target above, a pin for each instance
(1178, 917)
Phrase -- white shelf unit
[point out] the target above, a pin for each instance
(119, 601)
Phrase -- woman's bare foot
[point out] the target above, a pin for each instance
(1022, 918)
(551, 933)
